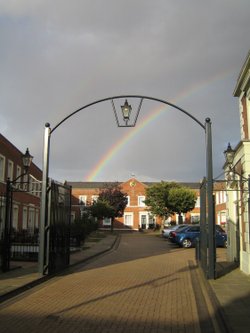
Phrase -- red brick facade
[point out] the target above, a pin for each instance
(136, 214)
(26, 205)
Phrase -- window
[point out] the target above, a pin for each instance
(10, 170)
(83, 199)
(141, 200)
(195, 218)
(107, 221)
(128, 219)
(197, 203)
(18, 171)
(25, 218)
(15, 217)
(94, 198)
(128, 198)
(31, 220)
(2, 167)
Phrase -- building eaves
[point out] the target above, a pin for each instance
(243, 81)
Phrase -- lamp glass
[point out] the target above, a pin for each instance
(126, 110)
(27, 159)
(229, 154)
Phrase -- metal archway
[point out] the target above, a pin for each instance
(209, 175)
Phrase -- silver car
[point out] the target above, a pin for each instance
(167, 230)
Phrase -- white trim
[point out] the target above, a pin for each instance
(10, 169)
(106, 221)
(131, 223)
(2, 169)
(140, 200)
(144, 213)
(83, 199)
(25, 218)
(15, 213)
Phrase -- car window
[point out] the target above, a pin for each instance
(194, 229)
(219, 228)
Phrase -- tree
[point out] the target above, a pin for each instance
(157, 198)
(101, 209)
(111, 203)
(167, 198)
(181, 200)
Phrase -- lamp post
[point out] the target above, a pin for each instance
(10, 188)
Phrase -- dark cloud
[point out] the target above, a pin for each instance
(57, 56)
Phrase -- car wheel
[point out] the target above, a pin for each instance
(186, 243)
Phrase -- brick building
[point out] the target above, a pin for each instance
(136, 214)
(26, 205)
(238, 218)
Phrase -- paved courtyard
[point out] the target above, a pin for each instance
(143, 285)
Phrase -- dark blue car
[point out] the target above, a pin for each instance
(188, 236)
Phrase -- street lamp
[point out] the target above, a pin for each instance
(126, 110)
(13, 186)
(229, 155)
(27, 159)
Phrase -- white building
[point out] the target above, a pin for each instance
(237, 172)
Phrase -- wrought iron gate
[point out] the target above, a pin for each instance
(5, 234)
(202, 248)
(58, 231)
(6, 227)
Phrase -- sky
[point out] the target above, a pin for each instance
(58, 56)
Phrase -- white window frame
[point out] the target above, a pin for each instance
(10, 170)
(196, 217)
(2, 167)
(141, 198)
(83, 199)
(18, 171)
(94, 198)
(128, 198)
(31, 219)
(198, 202)
(146, 214)
(131, 216)
(25, 218)
(106, 221)
(15, 213)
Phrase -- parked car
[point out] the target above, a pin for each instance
(179, 228)
(166, 231)
(188, 236)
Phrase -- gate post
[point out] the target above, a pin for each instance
(203, 233)
(210, 210)
(44, 201)
(7, 228)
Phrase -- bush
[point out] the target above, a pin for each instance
(81, 228)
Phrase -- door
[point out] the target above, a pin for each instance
(143, 221)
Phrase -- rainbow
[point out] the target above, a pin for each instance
(115, 148)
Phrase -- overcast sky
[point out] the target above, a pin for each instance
(57, 56)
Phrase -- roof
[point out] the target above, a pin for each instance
(92, 185)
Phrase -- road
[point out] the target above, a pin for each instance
(144, 285)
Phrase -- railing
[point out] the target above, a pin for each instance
(24, 246)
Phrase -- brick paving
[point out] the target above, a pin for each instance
(145, 285)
